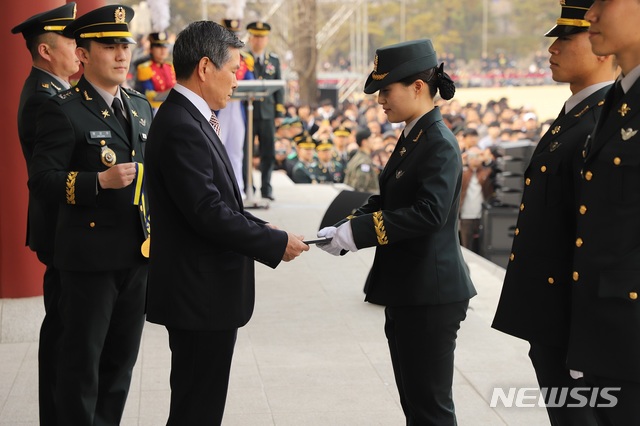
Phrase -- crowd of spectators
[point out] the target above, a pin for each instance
(352, 143)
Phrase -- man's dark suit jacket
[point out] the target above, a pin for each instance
(41, 223)
(605, 318)
(201, 273)
(536, 294)
(97, 230)
(414, 222)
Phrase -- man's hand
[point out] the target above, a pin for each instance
(118, 176)
(295, 247)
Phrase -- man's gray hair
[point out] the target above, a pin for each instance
(202, 39)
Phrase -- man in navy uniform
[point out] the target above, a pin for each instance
(268, 112)
(88, 159)
(54, 62)
(535, 304)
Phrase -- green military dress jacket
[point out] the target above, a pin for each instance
(97, 229)
(536, 294)
(413, 223)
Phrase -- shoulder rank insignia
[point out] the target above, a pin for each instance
(555, 130)
(45, 85)
(624, 109)
(627, 133)
(105, 113)
(87, 97)
(585, 109)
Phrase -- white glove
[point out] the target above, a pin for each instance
(344, 237)
(331, 247)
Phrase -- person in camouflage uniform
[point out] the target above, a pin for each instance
(361, 174)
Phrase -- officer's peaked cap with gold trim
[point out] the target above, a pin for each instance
(231, 24)
(107, 24)
(395, 62)
(571, 19)
(159, 39)
(259, 28)
(54, 20)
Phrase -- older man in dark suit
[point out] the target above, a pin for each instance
(201, 282)
(54, 62)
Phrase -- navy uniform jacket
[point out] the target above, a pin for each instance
(536, 294)
(96, 229)
(41, 224)
(272, 106)
(605, 328)
(201, 270)
(414, 222)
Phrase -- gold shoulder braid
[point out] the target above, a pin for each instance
(71, 187)
(378, 224)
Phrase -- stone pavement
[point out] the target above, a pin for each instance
(314, 354)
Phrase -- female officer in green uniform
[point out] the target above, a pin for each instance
(418, 272)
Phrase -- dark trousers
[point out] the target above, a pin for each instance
(552, 372)
(265, 129)
(625, 412)
(422, 340)
(470, 234)
(200, 367)
(102, 315)
(50, 332)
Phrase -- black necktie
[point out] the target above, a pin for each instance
(117, 110)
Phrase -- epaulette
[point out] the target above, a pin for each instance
(48, 86)
(133, 92)
(144, 71)
(67, 95)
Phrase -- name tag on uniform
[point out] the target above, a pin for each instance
(100, 134)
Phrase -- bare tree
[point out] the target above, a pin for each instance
(303, 46)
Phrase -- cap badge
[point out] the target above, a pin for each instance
(120, 15)
(234, 24)
(624, 109)
(375, 74)
(627, 133)
(259, 25)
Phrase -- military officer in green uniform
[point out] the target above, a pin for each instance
(327, 169)
(361, 174)
(89, 159)
(304, 171)
(418, 272)
(535, 303)
(269, 111)
(54, 62)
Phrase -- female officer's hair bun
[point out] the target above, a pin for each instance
(446, 86)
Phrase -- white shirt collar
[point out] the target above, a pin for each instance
(629, 79)
(584, 94)
(65, 84)
(195, 99)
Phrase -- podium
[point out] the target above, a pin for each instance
(250, 90)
